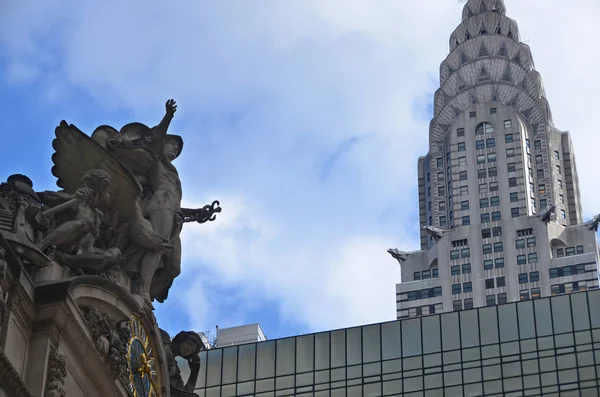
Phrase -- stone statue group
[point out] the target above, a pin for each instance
(118, 214)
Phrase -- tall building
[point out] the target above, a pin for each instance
(499, 201)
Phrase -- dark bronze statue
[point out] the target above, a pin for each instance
(119, 210)
(188, 345)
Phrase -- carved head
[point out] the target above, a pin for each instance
(186, 344)
(173, 146)
(98, 181)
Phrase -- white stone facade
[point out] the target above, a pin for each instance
(496, 164)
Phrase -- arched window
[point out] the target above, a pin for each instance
(484, 128)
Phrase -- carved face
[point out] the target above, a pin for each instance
(171, 149)
(188, 348)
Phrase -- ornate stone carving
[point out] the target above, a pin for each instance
(110, 339)
(57, 372)
(186, 344)
(3, 303)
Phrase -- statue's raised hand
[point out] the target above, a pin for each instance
(171, 107)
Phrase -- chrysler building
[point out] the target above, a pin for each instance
(499, 201)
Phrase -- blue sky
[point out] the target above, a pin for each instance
(305, 118)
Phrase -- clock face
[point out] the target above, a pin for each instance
(143, 377)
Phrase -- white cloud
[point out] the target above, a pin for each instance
(270, 94)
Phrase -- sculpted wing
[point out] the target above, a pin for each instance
(76, 153)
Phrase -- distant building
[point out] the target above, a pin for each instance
(240, 335)
(499, 201)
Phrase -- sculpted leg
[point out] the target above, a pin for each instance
(162, 222)
(163, 278)
(69, 233)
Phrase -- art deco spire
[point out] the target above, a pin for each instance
(474, 7)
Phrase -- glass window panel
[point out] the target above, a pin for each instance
(393, 387)
(265, 385)
(509, 330)
(431, 334)
(202, 375)
(304, 379)
(411, 337)
(226, 391)
(338, 374)
(246, 354)
(371, 343)
(488, 325)
(579, 308)
(353, 346)
(372, 369)
(304, 353)
(450, 334)
(526, 324)
(213, 392)
(543, 319)
(322, 350)
(561, 313)
(594, 302)
(285, 356)
(469, 333)
(354, 371)
(338, 348)
(284, 382)
(230, 364)
(391, 345)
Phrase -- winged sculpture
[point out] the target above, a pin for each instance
(125, 194)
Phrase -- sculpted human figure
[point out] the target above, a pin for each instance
(187, 345)
(72, 241)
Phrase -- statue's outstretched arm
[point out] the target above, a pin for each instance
(161, 129)
(201, 215)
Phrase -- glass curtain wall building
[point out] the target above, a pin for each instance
(545, 347)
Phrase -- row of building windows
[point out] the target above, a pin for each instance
(569, 251)
(529, 258)
(463, 253)
(425, 310)
(491, 232)
(566, 271)
(462, 288)
(495, 283)
(456, 269)
(567, 288)
(426, 274)
(488, 264)
(522, 243)
(423, 294)
(490, 300)
(527, 294)
(532, 277)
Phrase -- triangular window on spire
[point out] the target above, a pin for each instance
(484, 75)
(467, 35)
(503, 52)
(444, 127)
(450, 69)
(482, 29)
(483, 51)
(514, 102)
(470, 14)
(510, 34)
(498, 29)
(483, 7)
(474, 99)
(523, 84)
(495, 95)
(506, 76)
(456, 44)
(527, 113)
(456, 111)
(517, 58)
(461, 83)
(535, 127)
(463, 58)
(447, 98)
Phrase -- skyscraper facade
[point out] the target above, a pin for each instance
(499, 201)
